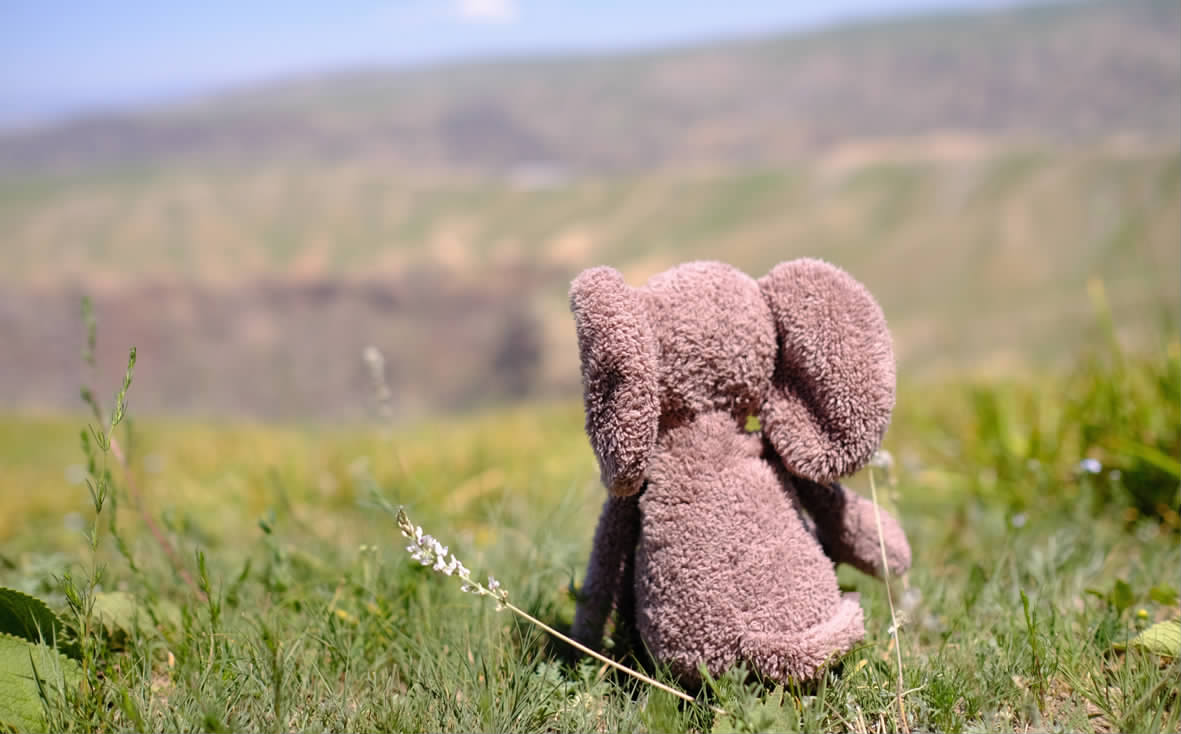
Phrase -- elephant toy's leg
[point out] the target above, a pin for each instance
(847, 527)
(735, 574)
(626, 628)
(821, 623)
(800, 655)
(611, 560)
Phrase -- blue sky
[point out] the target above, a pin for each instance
(59, 58)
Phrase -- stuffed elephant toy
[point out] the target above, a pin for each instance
(722, 541)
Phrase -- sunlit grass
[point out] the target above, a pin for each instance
(520, 455)
(324, 622)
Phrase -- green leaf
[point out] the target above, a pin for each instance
(121, 613)
(662, 712)
(22, 665)
(30, 618)
(1164, 595)
(724, 724)
(1121, 595)
(773, 712)
(118, 612)
(167, 614)
(1162, 638)
(1150, 455)
(977, 579)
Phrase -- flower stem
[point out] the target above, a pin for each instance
(428, 551)
(877, 513)
(583, 648)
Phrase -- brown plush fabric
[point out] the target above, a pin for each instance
(846, 527)
(619, 376)
(728, 566)
(725, 569)
(613, 549)
(716, 339)
(834, 381)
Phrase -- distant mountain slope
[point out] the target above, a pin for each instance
(1063, 71)
(255, 294)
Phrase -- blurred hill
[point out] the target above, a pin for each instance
(254, 294)
(977, 172)
(1063, 71)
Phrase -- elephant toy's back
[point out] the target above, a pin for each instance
(725, 569)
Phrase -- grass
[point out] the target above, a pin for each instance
(307, 614)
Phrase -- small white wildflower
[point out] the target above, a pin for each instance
(426, 547)
(1090, 466)
(373, 356)
(911, 598)
(73, 522)
(882, 459)
(452, 566)
(932, 623)
(430, 552)
(902, 621)
(1018, 520)
(76, 474)
(154, 463)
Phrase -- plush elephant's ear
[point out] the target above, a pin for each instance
(833, 389)
(620, 373)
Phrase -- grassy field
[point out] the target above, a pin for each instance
(221, 575)
(1032, 568)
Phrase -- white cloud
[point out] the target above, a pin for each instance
(486, 11)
